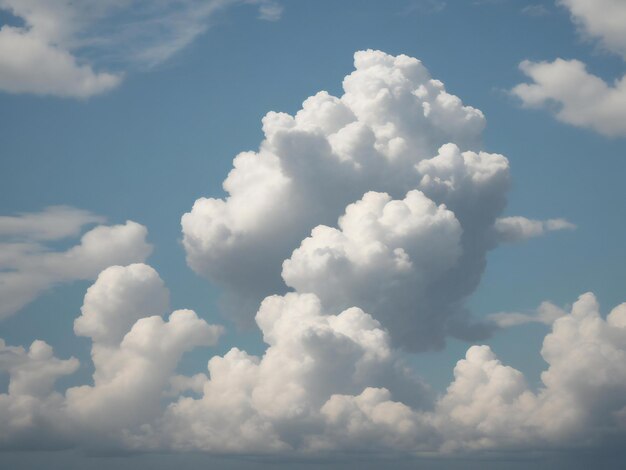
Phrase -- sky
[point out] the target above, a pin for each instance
(312, 234)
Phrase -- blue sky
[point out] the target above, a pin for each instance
(164, 132)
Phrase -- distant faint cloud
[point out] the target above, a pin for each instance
(268, 9)
(488, 2)
(424, 6)
(547, 313)
(517, 228)
(537, 10)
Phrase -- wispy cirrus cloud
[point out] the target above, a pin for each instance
(81, 49)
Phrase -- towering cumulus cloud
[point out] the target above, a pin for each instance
(404, 156)
(377, 209)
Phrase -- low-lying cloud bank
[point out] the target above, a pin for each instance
(328, 381)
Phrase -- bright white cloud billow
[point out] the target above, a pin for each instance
(394, 130)
(57, 48)
(565, 87)
(28, 267)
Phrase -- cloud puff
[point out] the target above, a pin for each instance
(577, 97)
(31, 410)
(52, 52)
(603, 19)
(394, 129)
(515, 229)
(489, 405)
(387, 257)
(28, 268)
(565, 87)
(134, 351)
(29, 64)
(272, 403)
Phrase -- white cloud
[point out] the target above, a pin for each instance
(54, 51)
(392, 117)
(515, 229)
(567, 89)
(31, 410)
(490, 406)
(603, 19)
(326, 382)
(135, 352)
(387, 256)
(30, 65)
(575, 96)
(120, 296)
(393, 275)
(272, 403)
(53, 223)
(28, 268)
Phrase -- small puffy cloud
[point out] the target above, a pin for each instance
(602, 19)
(31, 411)
(567, 89)
(515, 229)
(34, 371)
(28, 268)
(574, 95)
(120, 296)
